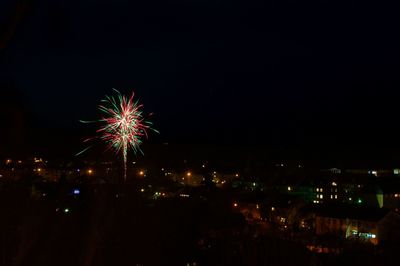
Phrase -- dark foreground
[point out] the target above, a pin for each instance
(108, 225)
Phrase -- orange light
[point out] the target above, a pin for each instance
(189, 174)
(90, 171)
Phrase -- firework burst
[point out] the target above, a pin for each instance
(123, 126)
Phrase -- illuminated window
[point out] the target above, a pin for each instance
(321, 196)
(334, 184)
(335, 196)
(321, 190)
(289, 188)
(317, 189)
(331, 196)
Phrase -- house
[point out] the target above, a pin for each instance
(366, 224)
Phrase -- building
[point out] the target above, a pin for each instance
(365, 224)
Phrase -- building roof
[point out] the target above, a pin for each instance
(352, 212)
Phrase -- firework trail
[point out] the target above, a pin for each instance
(123, 125)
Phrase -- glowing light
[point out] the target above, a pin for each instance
(289, 188)
(123, 125)
(142, 190)
(235, 204)
(272, 208)
(39, 169)
(334, 184)
(66, 210)
(141, 173)
(189, 174)
(90, 171)
(77, 192)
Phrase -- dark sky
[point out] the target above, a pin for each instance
(306, 77)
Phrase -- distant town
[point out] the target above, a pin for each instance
(321, 212)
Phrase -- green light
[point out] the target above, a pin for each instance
(359, 201)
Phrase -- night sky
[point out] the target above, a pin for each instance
(314, 79)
